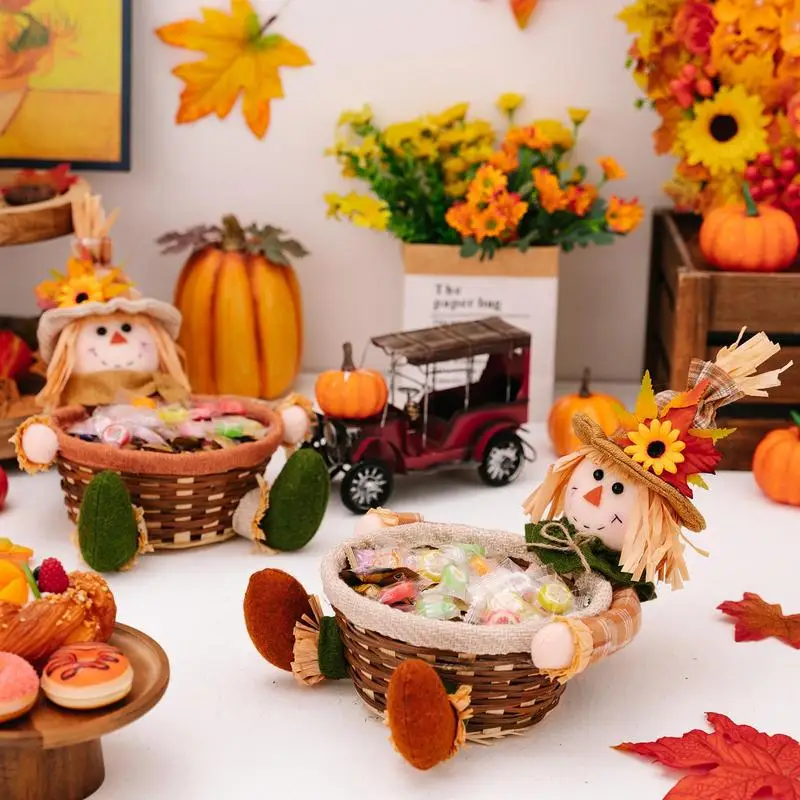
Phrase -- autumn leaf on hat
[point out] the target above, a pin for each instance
(242, 57)
(522, 11)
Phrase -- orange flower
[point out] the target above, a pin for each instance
(529, 137)
(487, 182)
(693, 26)
(623, 216)
(512, 207)
(505, 159)
(459, 218)
(551, 196)
(489, 222)
(612, 171)
(692, 172)
(580, 199)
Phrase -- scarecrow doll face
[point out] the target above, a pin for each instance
(600, 501)
(115, 342)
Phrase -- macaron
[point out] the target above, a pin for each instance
(19, 687)
(87, 676)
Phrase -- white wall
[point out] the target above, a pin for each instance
(405, 57)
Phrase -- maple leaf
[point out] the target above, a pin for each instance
(740, 762)
(646, 406)
(757, 620)
(522, 11)
(241, 58)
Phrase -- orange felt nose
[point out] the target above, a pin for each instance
(595, 496)
(118, 338)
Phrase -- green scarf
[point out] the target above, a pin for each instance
(600, 558)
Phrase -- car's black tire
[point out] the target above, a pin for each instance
(502, 460)
(366, 485)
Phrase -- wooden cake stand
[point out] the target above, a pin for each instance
(55, 754)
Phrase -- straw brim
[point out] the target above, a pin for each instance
(54, 321)
(591, 434)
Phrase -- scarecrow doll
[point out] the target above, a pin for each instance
(615, 510)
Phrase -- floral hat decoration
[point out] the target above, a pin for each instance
(669, 441)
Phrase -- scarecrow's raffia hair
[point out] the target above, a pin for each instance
(654, 545)
(62, 364)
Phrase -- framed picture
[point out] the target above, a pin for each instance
(65, 80)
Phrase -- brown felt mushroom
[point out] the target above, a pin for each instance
(273, 604)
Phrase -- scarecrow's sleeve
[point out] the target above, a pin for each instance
(36, 444)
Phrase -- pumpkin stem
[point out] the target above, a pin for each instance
(795, 415)
(348, 365)
(751, 209)
(585, 378)
(233, 236)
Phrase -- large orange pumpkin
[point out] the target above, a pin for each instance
(749, 237)
(776, 464)
(242, 329)
(350, 393)
(600, 407)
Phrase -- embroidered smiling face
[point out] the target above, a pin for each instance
(600, 501)
(117, 342)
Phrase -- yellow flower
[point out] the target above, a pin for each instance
(477, 155)
(355, 118)
(488, 223)
(728, 131)
(486, 183)
(425, 148)
(476, 131)
(361, 210)
(612, 171)
(684, 193)
(556, 132)
(455, 165)
(551, 197)
(451, 115)
(648, 18)
(456, 189)
(509, 102)
(578, 115)
(397, 135)
(623, 216)
(656, 448)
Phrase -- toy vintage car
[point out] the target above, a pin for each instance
(440, 425)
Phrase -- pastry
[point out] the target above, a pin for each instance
(85, 612)
(19, 687)
(88, 675)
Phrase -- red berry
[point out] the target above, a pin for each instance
(756, 192)
(768, 186)
(689, 71)
(704, 87)
(793, 191)
(787, 167)
(788, 153)
(752, 174)
(52, 577)
(764, 160)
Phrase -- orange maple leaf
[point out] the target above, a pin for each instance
(522, 11)
(740, 762)
(757, 620)
(240, 58)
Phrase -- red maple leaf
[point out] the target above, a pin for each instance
(757, 620)
(736, 762)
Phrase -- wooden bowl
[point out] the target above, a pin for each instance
(38, 221)
(53, 753)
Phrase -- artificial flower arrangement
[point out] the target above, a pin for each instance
(445, 179)
(723, 77)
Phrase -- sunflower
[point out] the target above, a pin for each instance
(657, 447)
(81, 289)
(727, 131)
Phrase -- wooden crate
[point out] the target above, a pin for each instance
(694, 310)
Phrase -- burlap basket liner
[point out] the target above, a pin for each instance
(458, 637)
(188, 498)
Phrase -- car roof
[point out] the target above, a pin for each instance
(455, 340)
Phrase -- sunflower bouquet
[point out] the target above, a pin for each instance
(444, 179)
(723, 76)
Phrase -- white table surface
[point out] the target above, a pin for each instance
(232, 726)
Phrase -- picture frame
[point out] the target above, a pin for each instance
(65, 84)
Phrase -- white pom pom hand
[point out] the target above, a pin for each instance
(553, 647)
(39, 444)
(296, 425)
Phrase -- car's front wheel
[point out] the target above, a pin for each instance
(366, 485)
(502, 459)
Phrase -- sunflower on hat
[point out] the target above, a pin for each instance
(83, 283)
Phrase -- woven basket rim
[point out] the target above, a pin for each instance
(459, 637)
(103, 456)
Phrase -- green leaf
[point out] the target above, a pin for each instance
(795, 417)
(293, 248)
(469, 248)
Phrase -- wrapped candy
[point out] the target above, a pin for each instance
(434, 605)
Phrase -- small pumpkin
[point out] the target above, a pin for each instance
(602, 408)
(242, 330)
(776, 464)
(749, 237)
(351, 393)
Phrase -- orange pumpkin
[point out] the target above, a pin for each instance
(749, 237)
(15, 355)
(776, 464)
(242, 330)
(351, 393)
(602, 408)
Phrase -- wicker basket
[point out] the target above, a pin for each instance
(507, 692)
(188, 498)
